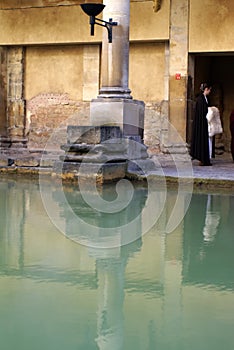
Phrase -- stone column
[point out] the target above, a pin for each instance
(114, 104)
(178, 65)
(15, 100)
(115, 55)
(3, 92)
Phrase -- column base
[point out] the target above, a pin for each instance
(114, 92)
(126, 113)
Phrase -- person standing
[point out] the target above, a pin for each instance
(232, 133)
(200, 138)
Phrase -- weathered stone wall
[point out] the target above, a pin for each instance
(213, 21)
(58, 79)
(61, 22)
(147, 71)
(153, 125)
(47, 113)
(54, 69)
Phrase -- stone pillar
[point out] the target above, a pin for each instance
(178, 65)
(15, 100)
(115, 55)
(114, 104)
(3, 92)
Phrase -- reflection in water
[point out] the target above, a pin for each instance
(209, 260)
(211, 221)
(111, 229)
(159, 292)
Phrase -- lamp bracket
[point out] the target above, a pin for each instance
(106, 24)
(93, 10)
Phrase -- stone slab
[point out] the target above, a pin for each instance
(92, 134)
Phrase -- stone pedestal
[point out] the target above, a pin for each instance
(92, 154)
(125, 113)
(101, 154)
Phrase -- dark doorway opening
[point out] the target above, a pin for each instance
(216, 68)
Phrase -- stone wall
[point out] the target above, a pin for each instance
(153, 124)
(59, 76)
(47, 113)
(45, 22)
(60, 79)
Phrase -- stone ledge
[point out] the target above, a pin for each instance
(106, 172)
(27, 162)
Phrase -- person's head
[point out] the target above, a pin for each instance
(205, 88)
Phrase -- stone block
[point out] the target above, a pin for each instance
(61, 167)
(92, 134)
(136, 149)
(100, 173)
(16, 133)
(27, 162)
(126, 113)
(141, 166)
(109, 170)
(47, 162)
(5, 161)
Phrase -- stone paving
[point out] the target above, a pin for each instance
(221, 173)
(222, 167)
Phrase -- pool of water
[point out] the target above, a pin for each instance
(60, 290)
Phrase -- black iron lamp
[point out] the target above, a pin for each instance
(93, 10)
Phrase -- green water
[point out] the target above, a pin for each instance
(162, 291)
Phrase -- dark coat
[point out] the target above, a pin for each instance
(200, 145)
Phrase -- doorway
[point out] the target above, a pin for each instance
(217, 69)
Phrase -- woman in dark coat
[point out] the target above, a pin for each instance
(200, 138)
(232, 133)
